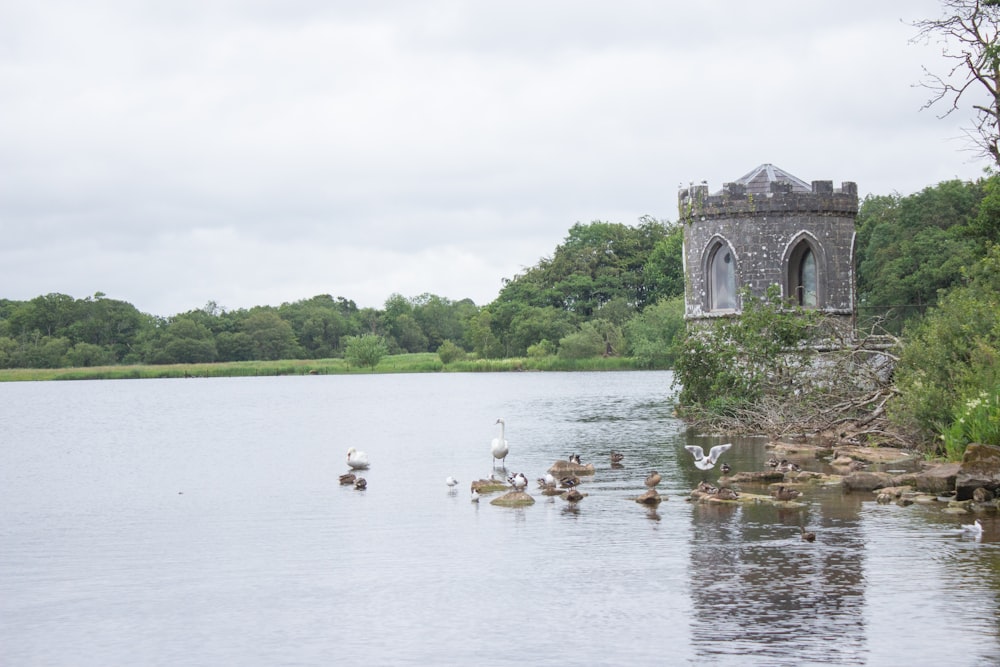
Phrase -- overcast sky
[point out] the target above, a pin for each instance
(249, 152)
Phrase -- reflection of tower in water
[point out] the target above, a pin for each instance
(758, 590)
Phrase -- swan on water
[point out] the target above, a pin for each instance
(357, 460)
(499, 447)
(707, 462)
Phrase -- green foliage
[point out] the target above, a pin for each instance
(734, 361)
(910, 248)
(449, 352)
(952, 355)
(543, 348)
(977, 420)
(366, 350)
(655, 335)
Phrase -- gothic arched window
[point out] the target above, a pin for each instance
(803, 276)
(721, 278)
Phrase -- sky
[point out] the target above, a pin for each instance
(250, 152)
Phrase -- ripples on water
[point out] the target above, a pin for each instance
(200, 522)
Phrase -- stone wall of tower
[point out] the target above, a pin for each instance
(761, 228)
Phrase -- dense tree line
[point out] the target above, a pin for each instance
(589, 298)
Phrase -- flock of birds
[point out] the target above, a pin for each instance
(499, 448)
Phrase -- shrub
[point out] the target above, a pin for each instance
(449, 352)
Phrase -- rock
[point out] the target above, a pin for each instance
(938, 479)
(513, 499)
(883, 498)
(563, 467)
(980, 468)
(651, 497)
(790, 450)
(867, 481)
(875, 454)
(982, 495)
(484, 486)
(762, 477)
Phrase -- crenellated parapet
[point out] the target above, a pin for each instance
(783, 197)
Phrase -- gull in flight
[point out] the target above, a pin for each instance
(707, 462)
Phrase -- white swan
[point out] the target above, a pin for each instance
(499, 447)
(357, 460)
(707, 462)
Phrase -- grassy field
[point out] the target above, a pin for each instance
(400, 363)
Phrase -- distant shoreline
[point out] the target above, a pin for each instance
(427, 362)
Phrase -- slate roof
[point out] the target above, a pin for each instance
(758, 181)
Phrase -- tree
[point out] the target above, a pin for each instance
(654, 335)
(366, 350)
(968, 34)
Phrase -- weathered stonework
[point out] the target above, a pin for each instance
(764, 222)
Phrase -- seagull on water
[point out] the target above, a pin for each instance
(451, 481)
(703, 462)
(973, 528)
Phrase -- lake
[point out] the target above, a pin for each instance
(200, 522)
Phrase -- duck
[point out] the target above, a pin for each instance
(725, 469)
(725, 493)
(806, 536)
(573, 495)
(360, 483)
(499, 446)
(616, 457)
(784, 494)
(652, 479)
(357, 460)
(787, 466)
(347, 478)
(703, 462)
(705, 487)
(569, 481)
(451, 481)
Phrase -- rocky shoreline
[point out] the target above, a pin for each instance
(890, 474)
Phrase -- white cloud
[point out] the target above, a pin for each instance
(253, 153)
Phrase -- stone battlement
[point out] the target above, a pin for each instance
(695, 203)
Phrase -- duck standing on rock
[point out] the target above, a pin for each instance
(652, 479)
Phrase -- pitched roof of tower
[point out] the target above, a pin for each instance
(758, 181)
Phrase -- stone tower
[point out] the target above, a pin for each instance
(769, 228)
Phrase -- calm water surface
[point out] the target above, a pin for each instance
(200, 522)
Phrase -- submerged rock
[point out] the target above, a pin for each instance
(563, 467)
(513, 499)
(484, 486)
